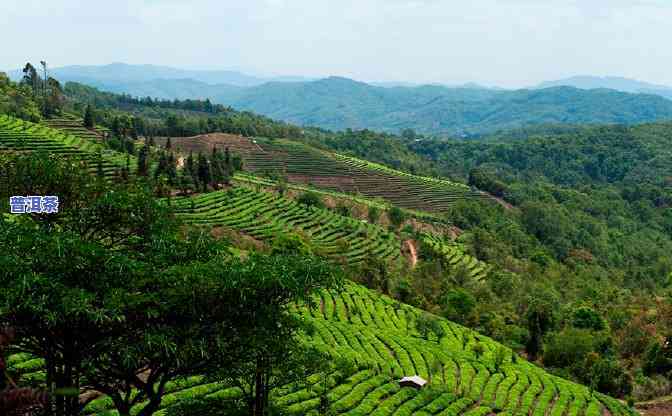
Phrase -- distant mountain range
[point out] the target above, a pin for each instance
(339, 103)
(120, 74)
(613, 83)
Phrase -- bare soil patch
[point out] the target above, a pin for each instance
(206, 142)
(655, 408)
(412, 252)
(333, 182)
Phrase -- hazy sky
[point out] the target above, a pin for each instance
(509, 43)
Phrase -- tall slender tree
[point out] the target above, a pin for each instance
(31, 78)
(204, 173)
(89, 121)
(143, 162)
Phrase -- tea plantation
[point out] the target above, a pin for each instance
(264, 215)
(468, 374)
(20, 135)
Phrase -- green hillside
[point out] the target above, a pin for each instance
(75, 126)
(301, 163)
(264, 216)
(20, 135)
(469, 374)
(454, 254)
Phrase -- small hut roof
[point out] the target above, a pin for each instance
(414, 379)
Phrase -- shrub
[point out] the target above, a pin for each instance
(586, 317)
(568, 347)
(397, 216)
(310, 199)
(342, 209)
(458, 305)
(373, 214)
(607, 376)
(291, 244)
(657, 359)
(486, 181)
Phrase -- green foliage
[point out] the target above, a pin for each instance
(459, 305)
(343, 209)
(658, 358)
(310, 199)
(608, 376)
(487, 181)
(540, 319)
(240, 209)
(373, 214)
(396, 216)
(89, 118)
(569, 347)
(18, 100)
(114, 266)
(290, 244)
(208, 406)
(175, 117)
(585, 317)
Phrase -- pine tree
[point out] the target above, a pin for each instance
(162, 168)
(89, 121)
(99, 170)
(216, 168)
(204, 174)
(191, 167)
(143, 161)
(227, 159)
(126, 170)
(186, 182)
(171, 169)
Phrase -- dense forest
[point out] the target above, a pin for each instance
(147, 116)
(584, 232)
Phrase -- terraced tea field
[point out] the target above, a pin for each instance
(263, 215)
(454, 255)
(74, 126)
(247, 179)
(380, 337)
(301, 163)
(20, 135)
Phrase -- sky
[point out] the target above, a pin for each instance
(508, 43)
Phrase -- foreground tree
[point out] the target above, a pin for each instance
(15, 400)
(117, 299)
(269, 353)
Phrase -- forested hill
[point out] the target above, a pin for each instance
(624, 156)
(340, 103)
(337, 103)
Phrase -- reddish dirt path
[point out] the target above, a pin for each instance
(413, 252)
(655, 409)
